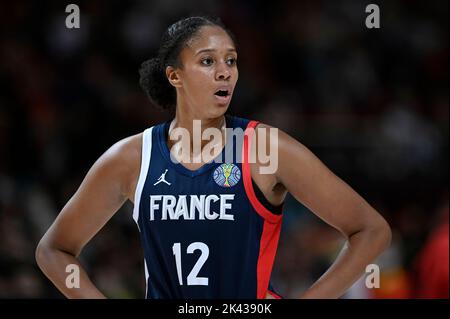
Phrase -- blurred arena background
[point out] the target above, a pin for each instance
(372, 104)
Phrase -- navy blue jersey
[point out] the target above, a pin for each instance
(205, 233)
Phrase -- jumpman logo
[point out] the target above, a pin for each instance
(162, 178)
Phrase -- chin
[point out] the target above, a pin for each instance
(218, 110)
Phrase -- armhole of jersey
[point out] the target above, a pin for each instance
(246, 171)
(145, 164)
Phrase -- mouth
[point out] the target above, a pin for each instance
(223, 96)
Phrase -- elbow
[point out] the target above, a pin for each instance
(44, 254)
(374, 231)
(41, 254)
(49, 252)
(380, 232)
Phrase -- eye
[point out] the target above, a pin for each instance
(207, 61)
(231, 61)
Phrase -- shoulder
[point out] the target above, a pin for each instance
(121, 162)
(273, 137)
(274, 147)
(126, 151)
(278, 138)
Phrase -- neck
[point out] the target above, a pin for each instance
(186, 121)
(195, 125)
(186, 115)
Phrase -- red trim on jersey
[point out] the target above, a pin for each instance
(263, 211)
(274, 294)
(267, 250)
(272, 222)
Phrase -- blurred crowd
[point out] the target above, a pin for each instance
(372, 104)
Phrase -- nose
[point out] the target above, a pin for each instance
(222, 72)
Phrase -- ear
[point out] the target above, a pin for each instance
(173, 76)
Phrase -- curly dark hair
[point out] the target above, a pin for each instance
(153, 78)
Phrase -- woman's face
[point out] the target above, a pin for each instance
(208, 73)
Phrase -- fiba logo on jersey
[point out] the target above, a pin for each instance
(227, 175)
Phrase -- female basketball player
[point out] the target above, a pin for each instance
(208, 229)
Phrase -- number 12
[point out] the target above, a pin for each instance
(192, 279)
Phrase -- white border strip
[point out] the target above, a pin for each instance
(146, 278)
(145, 165)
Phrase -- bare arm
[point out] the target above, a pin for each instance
(105, 188)
(332, 200)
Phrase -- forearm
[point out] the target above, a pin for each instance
(53, 263)
(361, 249)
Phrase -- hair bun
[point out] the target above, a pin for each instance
(154, 82)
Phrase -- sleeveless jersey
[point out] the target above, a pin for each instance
(205, 233)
